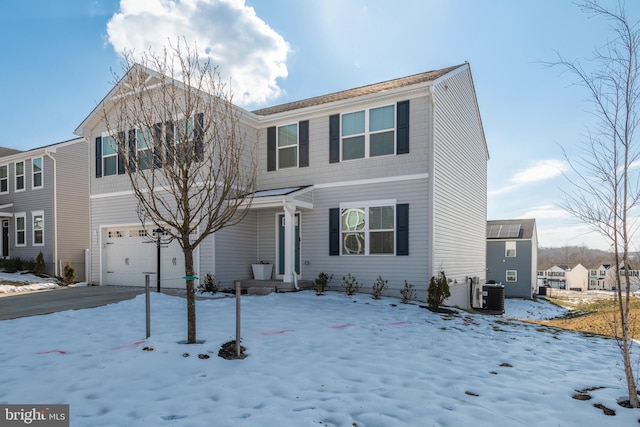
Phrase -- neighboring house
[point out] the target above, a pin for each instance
(512, 255)
(598, 277)
(383, 180)
(44, 205)
(577, 278)
(604, 278)
(555, 277)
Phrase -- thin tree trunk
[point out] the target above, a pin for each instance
(191, 297)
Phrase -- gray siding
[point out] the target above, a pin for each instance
(459, 181)
(236, 250)
(498, 264)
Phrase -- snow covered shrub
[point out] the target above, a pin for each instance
(39, 266)
(209, 284)
(350, 284)
(407, 293)
(438, 291)
(321, 283)
(69, 274)
(379, 287)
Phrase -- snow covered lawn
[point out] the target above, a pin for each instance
(329, 361)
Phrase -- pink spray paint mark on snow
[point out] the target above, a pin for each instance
(400, 323)
(131, 344)
(283, 331)
(52, 351)
(346, 325)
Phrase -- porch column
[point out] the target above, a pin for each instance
(289, 242)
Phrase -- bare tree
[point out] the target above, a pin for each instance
(181, 142)
(606, 190)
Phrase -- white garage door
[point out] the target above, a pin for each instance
(128, 254)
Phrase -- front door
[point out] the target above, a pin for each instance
(281, 244)
(5, 238)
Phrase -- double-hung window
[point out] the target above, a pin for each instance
(144, 141)
(288, 146)
(38, 228)
(109, 156)
(4, 179)
(510, 249)
(21, 229)
(368, 228)
(368, 133)
(19, 171)
(512, 276)
(36, 171)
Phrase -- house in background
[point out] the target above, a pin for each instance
(512, 255)
(372, 181)
(554, 277)
(577, 278)
(44, 205)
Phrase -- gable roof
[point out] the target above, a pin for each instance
(359, 91)
(515, 229)
(5, 151)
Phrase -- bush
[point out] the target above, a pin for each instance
(350, 284)
(408, 293)
(321, 283)
(69, 274)
(39, 265)
(438, 291)
(209, 284)
(12, 265)
(379, 287)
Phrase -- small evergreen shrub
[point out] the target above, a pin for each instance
(12, 265)
(39, 265)
(407, 293)
(321, 283)
(379, 287)
(69, 274)
(438, 291)
(350, 284)
(209, 284)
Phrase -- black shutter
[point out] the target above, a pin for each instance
(271, 148)
(198, 137)
(99, 157)
(303, 141)
(169, 141)
(402, 124)
(121, 152)
(133, 152)
(334, 138)
(157, 145)
(402, 229)
(334, 231)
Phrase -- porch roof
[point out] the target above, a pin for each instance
(6, 214)
(278, 197)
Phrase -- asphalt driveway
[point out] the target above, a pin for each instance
(61, 299)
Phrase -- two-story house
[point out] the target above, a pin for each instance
(384, 180)
(44, 205)
(512, 255)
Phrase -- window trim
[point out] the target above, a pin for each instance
(16, 216)
(34, 173)
(507, 250)
(15, 173)
(6, 179)
(368, 133)
(115, 154)
(514, 274)
(35, 214)
(367, 205)
(296, 145)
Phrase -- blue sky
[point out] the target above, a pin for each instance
(59, 56)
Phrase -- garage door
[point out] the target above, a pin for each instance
(130, 252)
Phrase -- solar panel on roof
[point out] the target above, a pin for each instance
(493, 231)
(510, 231)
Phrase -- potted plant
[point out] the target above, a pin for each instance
(262, 270)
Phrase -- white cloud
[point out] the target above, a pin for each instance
(228, 32)
(540, 171)
(545, 211)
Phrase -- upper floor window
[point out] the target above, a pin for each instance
(144, 144)
(19, 167)
(368, 133)
(509, 249)
(288, 146)
(36, 170)
(4, 179)
(109, 156)
(368, 230)
(38, 228)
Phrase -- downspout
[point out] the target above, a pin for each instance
(431, 183)
(55, 215)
